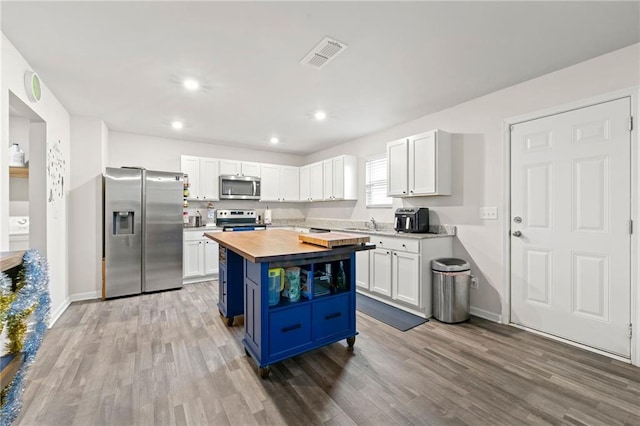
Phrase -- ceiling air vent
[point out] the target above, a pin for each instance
(323, 53)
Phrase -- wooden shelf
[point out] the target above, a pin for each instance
(19, 172)
(10, 259)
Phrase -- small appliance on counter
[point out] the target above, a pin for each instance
(238, 220)
(412, 219)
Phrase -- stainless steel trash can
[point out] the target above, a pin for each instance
(450, 284)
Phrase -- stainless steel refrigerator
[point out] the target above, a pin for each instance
(142, 231)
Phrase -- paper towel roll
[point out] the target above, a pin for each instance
(267, 216)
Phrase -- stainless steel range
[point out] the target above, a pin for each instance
(238, 220)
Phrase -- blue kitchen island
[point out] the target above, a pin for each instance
(277, 332)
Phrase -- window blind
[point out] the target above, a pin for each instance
(376, 182)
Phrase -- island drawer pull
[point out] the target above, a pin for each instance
(332, 316)
(291, 328)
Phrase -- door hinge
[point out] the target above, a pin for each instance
(630, 123)
(631, 226)
(630, 330)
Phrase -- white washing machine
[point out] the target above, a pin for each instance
(18, 233)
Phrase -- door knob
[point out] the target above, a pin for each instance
(516, 234)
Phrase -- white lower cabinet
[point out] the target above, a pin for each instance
(405, 280)
(199, 257)
(362, 269)
(380, 276)
(398, 271)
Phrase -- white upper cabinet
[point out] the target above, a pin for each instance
(305, 183)
(203, 177)
(290, 183)
(420, 165)
(250, 169)
(280, 183)
(398, 168)
(270, 183)
(209, 182)
(328, 180)
(315, 182)
(244, 168)
(190, 166)
(340, 178)
(229, 167)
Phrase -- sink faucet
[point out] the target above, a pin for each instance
(372, 224)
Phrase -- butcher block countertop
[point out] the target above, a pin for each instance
(276, 245)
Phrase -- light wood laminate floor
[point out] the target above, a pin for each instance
(168, 358)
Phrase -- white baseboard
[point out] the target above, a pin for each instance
(89, 295)
(491, 316)
(200, 279)
(56, 315)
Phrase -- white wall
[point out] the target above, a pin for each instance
(88, 147)
(478, 162)
(13, 67)
(155, 153)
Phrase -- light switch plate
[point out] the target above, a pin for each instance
(490, 213)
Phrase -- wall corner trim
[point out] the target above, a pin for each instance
(58, 312)
(490, 316)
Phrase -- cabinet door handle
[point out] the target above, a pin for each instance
(395, 254)
(291, 328)
(332, 316)
(388, 253)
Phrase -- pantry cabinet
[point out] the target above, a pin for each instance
(280, 183)
(420, 165)
(398, 271)
(203, 177)
(199, 257)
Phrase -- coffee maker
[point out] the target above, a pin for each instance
(412, 219)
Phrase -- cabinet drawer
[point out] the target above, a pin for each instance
(392, 243)
(331, 317)
(194, 235)
(289, 328)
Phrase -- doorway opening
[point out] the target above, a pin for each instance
(28, 183)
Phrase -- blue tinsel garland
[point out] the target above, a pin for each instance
(35, 289)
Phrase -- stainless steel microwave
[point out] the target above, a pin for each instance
(236, 187)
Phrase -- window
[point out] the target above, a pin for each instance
(376, 182)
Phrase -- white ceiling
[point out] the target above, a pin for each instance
(123, 61)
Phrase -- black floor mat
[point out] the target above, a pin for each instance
(395, 317)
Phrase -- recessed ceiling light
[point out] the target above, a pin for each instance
(274, 140)
(320, 115)
(191, 84)
(177, 125)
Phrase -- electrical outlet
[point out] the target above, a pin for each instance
(474, 283)
(490, 213)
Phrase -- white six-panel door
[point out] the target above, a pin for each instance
(570, 225)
